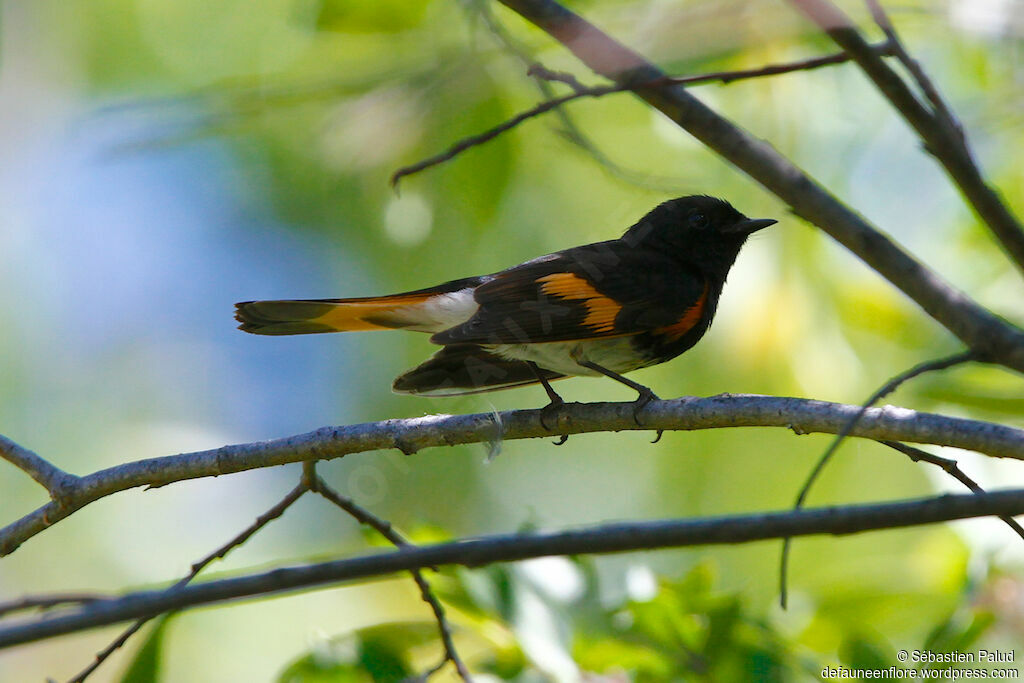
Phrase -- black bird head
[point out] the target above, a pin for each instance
(699, 230)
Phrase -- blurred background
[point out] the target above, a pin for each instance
(160, 160)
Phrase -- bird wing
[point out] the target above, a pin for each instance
(602, 290)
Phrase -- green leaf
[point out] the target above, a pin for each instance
(615, 654)
(959, 633)
(722, 621)
(145, 666)
(370, 16)
(377, 654)
(861, 652)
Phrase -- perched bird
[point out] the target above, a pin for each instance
(599, 309)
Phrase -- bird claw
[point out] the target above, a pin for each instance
(554, 406)
(641, 402)
(645, 397)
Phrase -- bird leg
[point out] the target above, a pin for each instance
(645, 397)
(556, 401)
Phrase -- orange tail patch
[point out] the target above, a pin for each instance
(312, 316)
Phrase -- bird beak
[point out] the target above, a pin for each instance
(752, 225)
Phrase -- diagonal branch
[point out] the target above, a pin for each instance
(384, 528)
(940, 109)
(410, 435)
(977, 327)
(936, 126)
(488, 135)
(882, 392)
(56, 481)
(261, 521)
(951, 468)
(610, 538)
(569, 128)
(580, 91)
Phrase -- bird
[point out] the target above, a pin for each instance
(601, 309)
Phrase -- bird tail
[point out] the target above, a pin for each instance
(467, 369)
(425, 310)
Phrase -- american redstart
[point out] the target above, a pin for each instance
(599, 309)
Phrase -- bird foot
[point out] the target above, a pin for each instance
(547, 412)
(645, 397)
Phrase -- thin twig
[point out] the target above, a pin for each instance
(570, 130)
(882, 392)
(538, 70)
(940, 108)
(475, 552)
(581, 91)
(384, 528)
(477, 140)
(951, 467)
(44, 602)
(56, 481)
(261, 521)
(412, 434)
(942, 138)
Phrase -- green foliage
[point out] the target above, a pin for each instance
(535, 622)
(370, 16)
(146, 665)
(685, 631)
(379, 654)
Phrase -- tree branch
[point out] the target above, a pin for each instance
(570, 130)
(610, 538)
(410, 435)
(950, 467)
(977, 327)
(384, 528)
(580, 91)
(261, 521)
(943, 138)
(55, 480)
(878, 395)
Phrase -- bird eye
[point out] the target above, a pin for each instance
(698, 220)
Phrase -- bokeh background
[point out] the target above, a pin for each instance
(160, 160)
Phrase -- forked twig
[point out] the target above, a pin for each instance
(56, 481)
(579, 92)
(940, 108)
(261, 521)
(882, 392)
(931, 119)
(951, 467)
(384, 528)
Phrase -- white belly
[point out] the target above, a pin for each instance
(616, 354)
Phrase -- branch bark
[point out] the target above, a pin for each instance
(611, 538)
(55, 480)
(978, 328)
(410, 435)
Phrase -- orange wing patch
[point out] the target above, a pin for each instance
(687, 321)
(601, 311)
